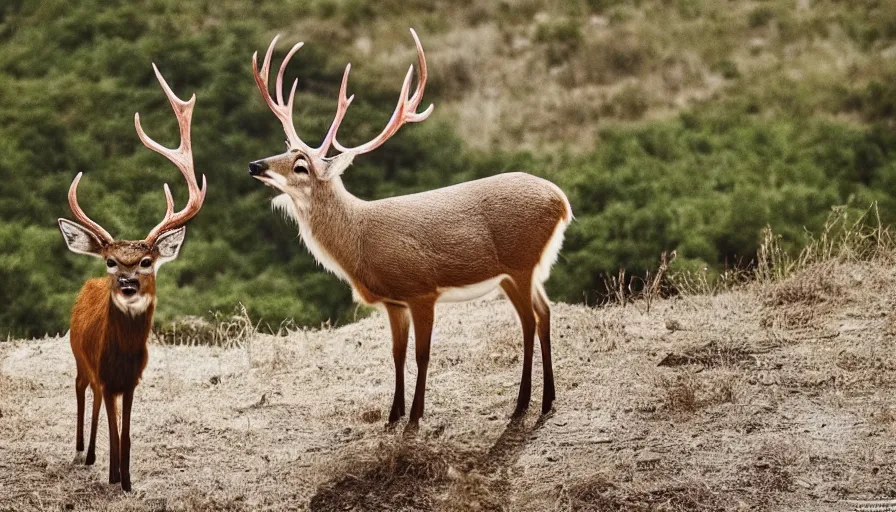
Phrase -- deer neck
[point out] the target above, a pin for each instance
(126, 332)
(330, 228)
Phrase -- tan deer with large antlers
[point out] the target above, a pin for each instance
(406, 253)
(112, 316)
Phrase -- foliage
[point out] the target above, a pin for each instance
(703, 182)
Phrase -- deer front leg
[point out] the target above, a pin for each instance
(114, 456)
(399, 322)
(80, 388)
(94, 422)
(422, 316)
(126, 402)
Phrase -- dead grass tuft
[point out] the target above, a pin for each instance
(471, 491)
(726, 390)
(599, 493)
(885, 416)
(228, 331)
(680, 392)
(713, 354)
(372, 416)
(394, 474)
(797, 301)
(642, 292)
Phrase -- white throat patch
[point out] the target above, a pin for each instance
(132, 306)
(286, 206)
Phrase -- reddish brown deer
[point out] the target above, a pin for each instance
(112, 315)
(406, 253)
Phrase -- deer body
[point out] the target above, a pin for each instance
(109, 344)
(112, 316)
(487, 237)
(406, 253)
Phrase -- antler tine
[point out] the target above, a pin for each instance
(423, 74)
(182, 157)
(405, 111)
(341, 108)
(282, 110)
(82, 217)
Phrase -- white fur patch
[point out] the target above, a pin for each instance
(132, 306)
(288, 207)
(276, 178)
(551, 250)
(80, 458)
(471, 291)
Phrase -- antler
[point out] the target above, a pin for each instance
(182, 157)
(282, 110)
(405, 111)
(82, 217)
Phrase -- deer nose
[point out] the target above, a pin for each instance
(129, 285)
(257, 167)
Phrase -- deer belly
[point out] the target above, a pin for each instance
(470, 291)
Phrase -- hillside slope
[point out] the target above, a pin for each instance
(775, 396)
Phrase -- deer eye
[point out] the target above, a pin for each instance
(301, 166)
(146, 263)
(110, 263)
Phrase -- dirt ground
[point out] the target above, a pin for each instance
(772, 397)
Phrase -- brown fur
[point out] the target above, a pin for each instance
(110, 354)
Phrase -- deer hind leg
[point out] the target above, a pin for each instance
(114, 454)
(399, 322)
(422, 315)
(519, 291)
(80, 389)
(543, 316)
(94, 422)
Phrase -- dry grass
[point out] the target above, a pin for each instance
(732, 407)
(228, 331)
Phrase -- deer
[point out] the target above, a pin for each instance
(406, 253)
(112, 315)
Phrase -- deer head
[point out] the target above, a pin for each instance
(302, 169)
(132, 264)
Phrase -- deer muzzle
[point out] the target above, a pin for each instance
(129, 286)
(257, 167)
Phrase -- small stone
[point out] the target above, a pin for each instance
(215, 380)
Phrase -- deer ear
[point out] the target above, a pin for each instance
(79, 239)
(336, 165)
(169, 244)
